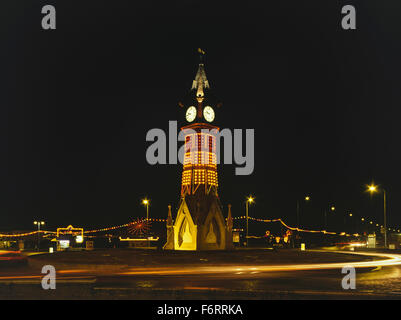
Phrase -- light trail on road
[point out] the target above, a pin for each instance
(222, 270)
(390, 260)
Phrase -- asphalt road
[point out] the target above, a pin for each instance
(378, 278)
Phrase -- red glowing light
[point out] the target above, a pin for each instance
(139, 227)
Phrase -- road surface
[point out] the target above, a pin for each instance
(379, 278)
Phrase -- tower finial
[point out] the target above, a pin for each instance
(201, 56)
(169, 217)
(201, 51)
(200, 81)
(229, 219)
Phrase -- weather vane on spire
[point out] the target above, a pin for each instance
(201, 54)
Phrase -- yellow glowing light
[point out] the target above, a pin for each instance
(200, 162)
(25, 234)
(372, 188)
(70, 230)
(363, 219)
(350, 214)
(73, 230)
(307, 198)
(145, 201)
(250, 199)
(333, 208)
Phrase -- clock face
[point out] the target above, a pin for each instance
(208, 113)
(191, 114)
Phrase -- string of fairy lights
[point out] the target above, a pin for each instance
(289, 227)
(381, 226)
(85, 232)
(88, 232)
(309, 231)
(25, 234)
(125, 225)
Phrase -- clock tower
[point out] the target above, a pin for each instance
(199, 223)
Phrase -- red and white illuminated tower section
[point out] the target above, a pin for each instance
(199, 223)
(200, 160)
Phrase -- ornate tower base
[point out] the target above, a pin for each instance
(199, 225)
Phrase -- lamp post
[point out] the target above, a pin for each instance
(146, 203)
(38, 223)
(351, 228)
(372, 189)
(363, 226)
(307, 198)
(332, 208)
(248, 201)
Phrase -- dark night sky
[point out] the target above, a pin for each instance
(77, 102)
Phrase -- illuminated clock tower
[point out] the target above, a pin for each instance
(199, 223)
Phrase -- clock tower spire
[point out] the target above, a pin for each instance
(200, 82)
(200, 165)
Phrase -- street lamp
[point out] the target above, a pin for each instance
(38, 223)
(146, 203)
(362, 224)
(249, 200)
(351, 221)
(307, 198)
(332, 208)
(372, 189)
